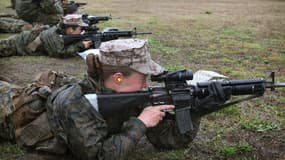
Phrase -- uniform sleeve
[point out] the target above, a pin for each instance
(70, 50)
(85, 132)
(61, 51)
(54, 45)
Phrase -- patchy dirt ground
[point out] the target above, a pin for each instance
(241, 39)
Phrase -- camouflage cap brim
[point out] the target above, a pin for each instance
(129, 52)
(149, 68)
(74, 19)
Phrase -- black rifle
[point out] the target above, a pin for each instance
(78, 4)
(71, 7)
(99, 37)
(177, 92)
(91, 29)
(91, 20)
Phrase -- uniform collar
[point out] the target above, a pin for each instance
(92, 85)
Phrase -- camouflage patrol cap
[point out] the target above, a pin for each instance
(129, 52)
(74, 19)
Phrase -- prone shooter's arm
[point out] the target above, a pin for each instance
(177, 92)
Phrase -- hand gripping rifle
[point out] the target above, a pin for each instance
(98, 37)
(177, 92)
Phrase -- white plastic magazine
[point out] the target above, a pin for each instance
(204, 75)
(89, 51)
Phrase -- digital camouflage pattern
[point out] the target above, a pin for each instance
(10, 23)
(88, 135)
(74, 20)
(13, 25)
(7, 92)
(41, 40)
(129, 52)
(16, 44)
(45, 12)
(8, 47)
(22, 112)
(54, 46)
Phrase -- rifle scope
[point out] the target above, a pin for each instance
(174, 76)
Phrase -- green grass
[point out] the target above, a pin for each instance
(282, 57)
(163, 48)
(238, 39)
(230, 150)
(259, 125)
(175, 155)
(232, 110)
(228, 31)
(6, 35)
(8, 149)
(282, 99)
(174, 67)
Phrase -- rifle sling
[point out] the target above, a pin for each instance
(238, 101)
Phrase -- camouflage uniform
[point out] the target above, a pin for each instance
(17, 45)
(78, 125)
(45, 12)
(54, 45)
(22, 112)
(12, 25)
(89, 135)
(41, 40)
(7, 91)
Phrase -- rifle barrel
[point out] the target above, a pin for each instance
(143, 33)
(81, 3)
(280, 84)
(277, 85)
